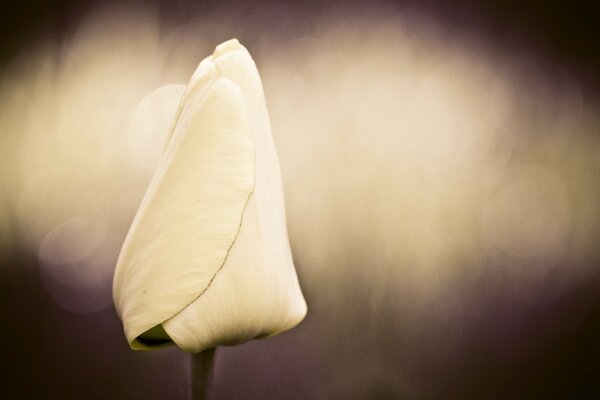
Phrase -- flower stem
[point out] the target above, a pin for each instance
(202, 372)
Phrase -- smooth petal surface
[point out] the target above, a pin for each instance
(191, 213)
(207, 259)
(256, 293)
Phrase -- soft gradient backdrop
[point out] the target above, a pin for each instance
(442, 176)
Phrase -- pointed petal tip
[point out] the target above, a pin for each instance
(227, 47)
(206, 70)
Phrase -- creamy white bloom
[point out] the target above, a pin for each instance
(207, 259)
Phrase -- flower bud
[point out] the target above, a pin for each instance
(207, 259)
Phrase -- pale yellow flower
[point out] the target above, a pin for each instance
(207, 258)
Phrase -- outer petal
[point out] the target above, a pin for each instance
(192, 211)
(256, 293)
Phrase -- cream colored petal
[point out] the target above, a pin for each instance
(256, 293)
(192, 210)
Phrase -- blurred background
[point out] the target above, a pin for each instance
(442, 175)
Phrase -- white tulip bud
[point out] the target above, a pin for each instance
(207, 260)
